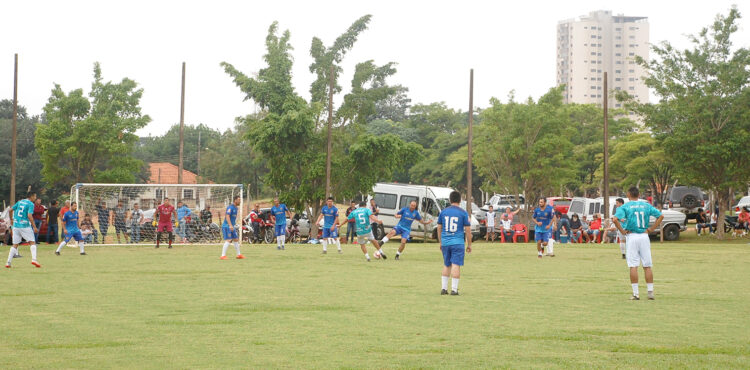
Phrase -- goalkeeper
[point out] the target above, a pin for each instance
(164, 213)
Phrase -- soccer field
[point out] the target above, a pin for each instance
(140, 307)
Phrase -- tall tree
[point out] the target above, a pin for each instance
(703, 115)
(640, 158)
(91, 139)
(27, 160)
(165, 148)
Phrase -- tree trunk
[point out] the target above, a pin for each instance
(721, 200)
(313, 220)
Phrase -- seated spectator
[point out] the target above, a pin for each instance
(506, 228)
(563, 224)
(595, 228)
(88, 230)
(702, 222)
(743, 220)
(714, 221)
(576, 229)
(610, 232)
(585, 229)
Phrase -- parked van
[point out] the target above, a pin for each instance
(673, 223)
(391, 197)
(501, 201)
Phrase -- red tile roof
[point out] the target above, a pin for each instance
(166, 173)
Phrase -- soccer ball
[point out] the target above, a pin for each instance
(376, 255)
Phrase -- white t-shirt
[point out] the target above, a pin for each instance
(505, 224)
(490, 219)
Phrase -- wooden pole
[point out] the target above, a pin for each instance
(199, 153)
(330, 124)
(14, 140)
(182, 124)
(606, 149)
(471, 128)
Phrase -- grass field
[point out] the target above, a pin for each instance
(137, 307)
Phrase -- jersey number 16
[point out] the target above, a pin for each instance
(451, 223)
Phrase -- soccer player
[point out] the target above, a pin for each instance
(164, 213)
(407, 215)
(636, 214)
(71, 229)
(454, 237)
(620, 237)
(279, 213)
(543, 216)
(228, 230)
(363, 219)
(23, 228)
(330, 215)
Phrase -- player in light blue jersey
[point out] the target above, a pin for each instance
(406, 216)
(330, 215)
(363, 217)
(229, 231)
(543, 217)
(23, 228)
(454, 236)
(636, 215)
(71, 229)
(279, 213)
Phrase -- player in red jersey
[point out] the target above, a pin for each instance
(164, 213)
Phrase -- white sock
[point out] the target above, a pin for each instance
(325, 244)
(59, 248)
(338, 244)
(278, 241)
(635, 288)
(367, 255)
(283, 240)
(81, 244)
(16, 252)
(650, 287)
(622, 248)
(454, 284)
(224, 248)
(12, 253)
(445, 282)
(540, 253)
(33, 252)
(385, 240)
(550, 248)
(237, 247)
(398, 253)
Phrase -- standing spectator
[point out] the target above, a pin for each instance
(376, 226)
(182, 212)
(38, 215)
(576, 229)
(511, 213)
(506, 228)
(136, 216)
(350, 230)
(595, 228)
(120, 214)
(65, 208)
(88, 230)
(490, 225)
(702, 222)
(256, 220)
(206, 216)
(52, 228)
(102, 214)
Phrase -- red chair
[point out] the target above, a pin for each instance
(520, 230)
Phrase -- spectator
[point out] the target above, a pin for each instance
(256, 220)
(702, 222)
(120, 214)
(102, 214)
(64, 209)
(576, 228)
(88, 230)
(610, 232)
(38, 215)
(490, 225)
(595, 228)
(714, 221)
(136, 216)
(506, 228)
(350, 230)
(743, 220)
(563, 223)
(585, 228)
(53, 214)
(182, 212)
(376, 226)
(511, 213)
(206, 216)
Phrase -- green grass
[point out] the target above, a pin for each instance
(137, 307)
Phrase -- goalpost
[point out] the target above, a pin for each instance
(207, 204)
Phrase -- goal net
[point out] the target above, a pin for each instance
(110, 212)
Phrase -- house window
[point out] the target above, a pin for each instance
(617, 71)
(188, 194)
(159, 194)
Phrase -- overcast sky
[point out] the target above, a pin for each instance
(511, 46)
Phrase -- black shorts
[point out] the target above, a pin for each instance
(120, 227)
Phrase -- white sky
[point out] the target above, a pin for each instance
(510, 45)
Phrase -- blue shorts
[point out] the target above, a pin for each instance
(327, 233)
(280, 229)
(229, 234)
(541, 236)
(74, 235)
(453, 254)
(404, 233)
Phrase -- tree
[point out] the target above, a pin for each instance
(640, 158)
(28, 164)
(166, 148)
(702, 118)
(91, 139)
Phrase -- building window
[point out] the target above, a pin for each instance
(617, 88)
(159, 194)
(618, 29)
(631, 88)
(631, 62)
(631, 54)
(618, 105)
(618, 45)
(187, 193)
(632, 37)
(618, 79)
(631, 79)
(593, 53)
(593, 70)
(618, 62)
(617, 71)
(593, 36)
(631, 71)
(618, 37)
(618, 54)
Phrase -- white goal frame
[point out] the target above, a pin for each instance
(236, 189)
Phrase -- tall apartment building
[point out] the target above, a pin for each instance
(590, 45)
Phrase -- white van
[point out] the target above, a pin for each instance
(391, 197)
(673, 223)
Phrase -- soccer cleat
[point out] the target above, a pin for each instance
(223, 257)
(396, 258)
(57, 253)
(651, 296)
(340, 251)
(324, 252)
(539, 255)
(170, 247)
(278, 247)
(83, 253)
(623, 256)
(240, 257)
(635, 298)
(443, 292)
(383, 255)
(551, 255)
(157, 246)
(282, 247)
(35, 263)
(368, 259)
(18, 256)
(7, 266)
(454, 292)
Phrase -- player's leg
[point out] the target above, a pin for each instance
(81, 243)
(645, 252)
(362, 241)
(65, 241)
(282, 237)
(551, 246)
(377, 246)
(17, 237)
(227, 240)
(401, 249)
(236, 242)
(634, 260)
(621, 240)
(445, 276)
(457, 260)
(336, 239)
(324, 239)
(539, 249)
(170, 235)
(390, 235)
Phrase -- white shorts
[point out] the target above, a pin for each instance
(638, 250)
(491, 229)
(362, 239)
(21, 234)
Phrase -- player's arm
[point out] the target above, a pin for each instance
(467, 236)
(31, 220)
(320, 217)
(375, 219)
(439, 234)
(618, 225)
(539, 223)
(335, 221)
(399, 213)
(516, 211)
(658, 220)
(228, 221)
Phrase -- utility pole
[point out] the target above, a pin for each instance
(199, 152)
(182, 124)
(606, 149)
(330, 124)
(15, 134)
(471, 128)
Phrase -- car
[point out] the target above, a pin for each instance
(743, 203)
(685, 199)
(560, 204)
(479, 214)
(500, 202)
